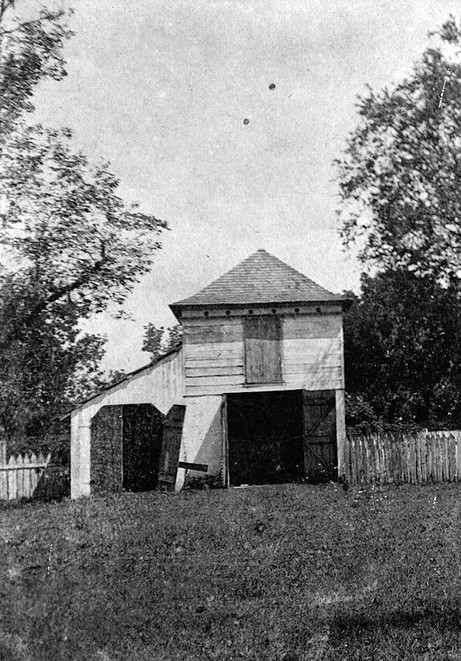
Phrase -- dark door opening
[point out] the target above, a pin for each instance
(126, 441)
(142, 443)
(265, 432)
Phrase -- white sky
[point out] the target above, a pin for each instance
(160, 88)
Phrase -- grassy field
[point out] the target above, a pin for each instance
(284, 573)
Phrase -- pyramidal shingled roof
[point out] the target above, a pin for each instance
(260, 278)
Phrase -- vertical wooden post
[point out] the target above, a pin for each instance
(340, 430)
(225, 444)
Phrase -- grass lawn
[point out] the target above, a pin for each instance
(288, 573)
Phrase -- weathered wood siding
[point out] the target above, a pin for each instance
(311, 352)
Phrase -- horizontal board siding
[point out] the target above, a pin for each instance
(309, 368)
(316, 348)
(213, 370)
(210, 321)
(219, 381)
(214, 367)
(211, 331)
(203, 363)
(213, 389)
(206, 351)
(311, 356)
(321, 326)
(331, 380)
(315, 363)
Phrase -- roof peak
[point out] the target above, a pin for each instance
(260, 278)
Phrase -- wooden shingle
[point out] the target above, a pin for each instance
(260, 279)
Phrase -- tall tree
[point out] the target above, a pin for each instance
(400, 175)
(71, 247)
(402, 341)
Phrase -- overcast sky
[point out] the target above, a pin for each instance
(160, 88)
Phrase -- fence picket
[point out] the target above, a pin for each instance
(414, 458)
(458, 455)
(23, 477)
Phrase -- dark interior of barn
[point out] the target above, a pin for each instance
(281, 437)
(265, 438)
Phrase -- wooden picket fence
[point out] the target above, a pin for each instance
(398, 458)
(30, 476)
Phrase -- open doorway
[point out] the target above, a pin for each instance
(126, 441)
(265, 432)
(281, 437)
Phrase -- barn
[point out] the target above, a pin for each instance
(255, 394)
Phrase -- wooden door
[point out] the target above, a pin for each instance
(142, 442)
(320, 447)
(171, 445)
(106, 452)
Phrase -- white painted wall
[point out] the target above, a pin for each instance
(202, 436)
(161, 384)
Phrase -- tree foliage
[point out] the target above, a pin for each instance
(71, 247)
(159, 341)
(403, 351)
(400, 175)
(30, 50)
